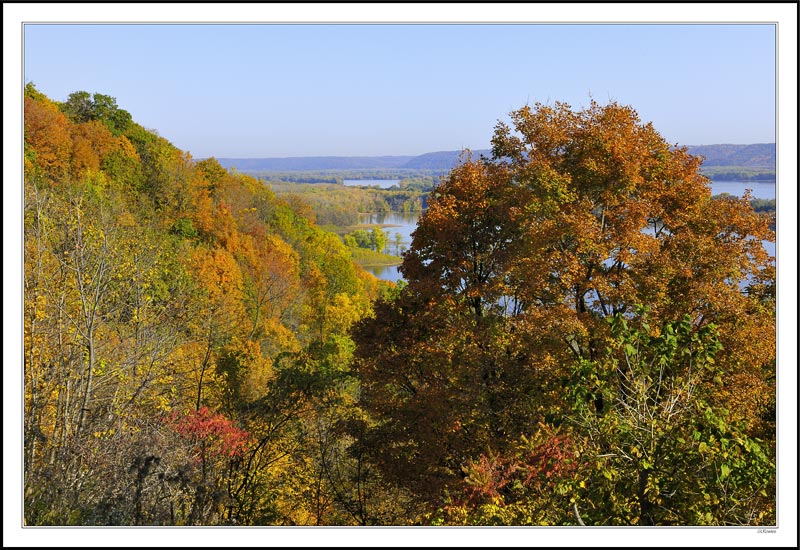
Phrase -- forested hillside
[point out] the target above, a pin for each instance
(754, 157)
(585, 337)
(314, 163)
(186, 336)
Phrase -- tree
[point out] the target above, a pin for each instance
(517, 264)
(47, 141)
(78, 106)
(619, 217)
(81, 107)
(465, 241)
(377, 239)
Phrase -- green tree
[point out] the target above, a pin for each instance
(83, 107)
(377, 239)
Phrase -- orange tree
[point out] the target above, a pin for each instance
(515, 269)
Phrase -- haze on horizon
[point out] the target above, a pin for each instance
(279, 90)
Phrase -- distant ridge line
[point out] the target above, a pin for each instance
(754, 155)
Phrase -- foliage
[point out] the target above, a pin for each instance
(211, 431)
(339, 206)
(515, 270)
(374, 239)
(198, 350)
(368, 258)
(80, 107)
(160, 294)
(659, 453)
(740, 173)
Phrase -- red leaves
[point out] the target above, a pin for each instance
(550, 458)
(220, 435)
(486, 477)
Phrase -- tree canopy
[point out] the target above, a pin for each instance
(518, 265)
(584, 336)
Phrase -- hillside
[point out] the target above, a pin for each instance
(185, 328)
(246, 165)
(441, 160)
(754, 156)
(198, 351)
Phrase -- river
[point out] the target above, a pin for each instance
(760, 189)
(400, 225)
(383, 184)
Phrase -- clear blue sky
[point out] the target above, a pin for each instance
(393, 89)
(299, 90)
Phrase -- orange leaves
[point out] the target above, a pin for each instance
(274, 268)
(581, 216)
(203, 211)
(91, 142)
(47, 139)
(464, 240)
(220, 278)
(217, 270)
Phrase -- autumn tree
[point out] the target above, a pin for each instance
(619, 217)
(47, 140)
(517, 264)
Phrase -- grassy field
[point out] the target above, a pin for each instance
(369, 258)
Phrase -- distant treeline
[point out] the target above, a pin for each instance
(250, 165)
(739, 173)
(717, 173)
(338, 176)
(337, 206)
(757, 155)
(440, 162)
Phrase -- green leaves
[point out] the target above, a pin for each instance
(665, 455)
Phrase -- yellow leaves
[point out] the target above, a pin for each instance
(203, 211)
(278, 338)
(217, 271)
(255, 370)
(126, 219)
(104, 434)
(342, 313)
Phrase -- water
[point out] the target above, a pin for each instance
(404, 223)
(398, 229)
(383, 184)
(386, 272)
(760, 190)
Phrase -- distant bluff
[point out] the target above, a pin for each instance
(756, 155)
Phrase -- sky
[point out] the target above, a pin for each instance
(283, 90)
(701, 73)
